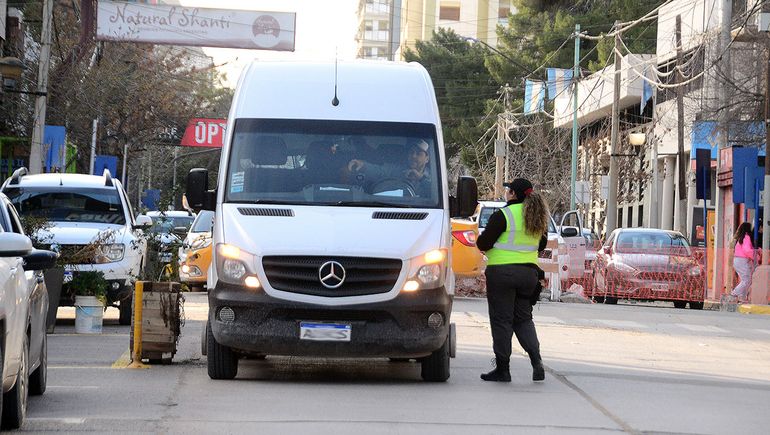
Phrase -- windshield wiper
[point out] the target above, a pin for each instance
(371, 204)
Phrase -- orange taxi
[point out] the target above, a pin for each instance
(467, 260)
(195, 253)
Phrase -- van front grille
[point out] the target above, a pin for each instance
(301, 274)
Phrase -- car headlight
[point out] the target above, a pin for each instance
(110, 253)
(200, 243)
(620, 267)
(235, 266)
(695, 271)
(427, 270)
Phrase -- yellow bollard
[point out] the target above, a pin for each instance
(136, 355)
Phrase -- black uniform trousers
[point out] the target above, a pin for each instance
(509, 291)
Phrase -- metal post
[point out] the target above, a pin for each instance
(125, 159)
(766, 202)
(38, 126)
(575, 77)
(136, 351)
(93, 146)
(724, 67)
(612, 197)
(681, 203)
(499, 159)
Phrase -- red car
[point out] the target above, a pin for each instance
(648, 264)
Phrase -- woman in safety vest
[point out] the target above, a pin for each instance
(512, 238)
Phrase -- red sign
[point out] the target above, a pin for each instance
(204, 132)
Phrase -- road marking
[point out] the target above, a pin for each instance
(547, 319)
(622, 324)
(764, 331)
(123, 361)
(70, 420)
(83, 387)
(701, 328)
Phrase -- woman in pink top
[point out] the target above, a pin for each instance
(743, 259)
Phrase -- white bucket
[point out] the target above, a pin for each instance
(88, 315)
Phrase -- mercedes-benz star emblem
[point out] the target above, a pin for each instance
(331, 274)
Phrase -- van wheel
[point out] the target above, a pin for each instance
(222, 361)
(696, 305)
(38, 380)
(15, 401)
(125, 311)
(435, 367)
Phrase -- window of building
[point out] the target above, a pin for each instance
(629, 218)
(451, 13)
(620, 217)
(383, 25)
(503, 12)
(368, 26)
(640, 216)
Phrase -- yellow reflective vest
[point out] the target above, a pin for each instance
(514, 246)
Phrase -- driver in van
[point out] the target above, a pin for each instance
(414, 171)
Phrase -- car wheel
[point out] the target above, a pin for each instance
(125, 311)
(38, 380)
(611, 301)
(696, 305)
(680, 304)
(598, 299)
(435, 367)
(222, 361)
(15, 401)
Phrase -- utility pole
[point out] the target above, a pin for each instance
(94, 130)
(38, 126)
(724, 67)
(499, 157)
(612, 197)
(681, 209)
(575, 77)
(766, 203)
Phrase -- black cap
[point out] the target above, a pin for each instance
(520, 186)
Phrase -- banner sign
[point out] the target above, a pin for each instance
(181, 25)
(204, 132)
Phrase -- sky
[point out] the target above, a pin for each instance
(324, 27)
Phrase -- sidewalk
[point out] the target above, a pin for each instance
(741, 308)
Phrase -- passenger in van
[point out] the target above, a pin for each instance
(414, 171)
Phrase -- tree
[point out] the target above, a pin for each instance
(462, 83)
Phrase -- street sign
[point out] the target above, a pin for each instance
(204, 132)
(582, 192)
(605, 187)
(500, 146)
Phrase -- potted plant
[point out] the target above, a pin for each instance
(90, 289)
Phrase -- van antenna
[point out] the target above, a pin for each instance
(335, 100)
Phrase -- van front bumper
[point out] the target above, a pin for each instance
(265, 325)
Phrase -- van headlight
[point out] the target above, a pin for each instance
(110, 253)
(235, 266)
(427, 271)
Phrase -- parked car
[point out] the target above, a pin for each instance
(23, 311)
(467, 260)
(195, 252)
(648, 264)
(168, 229)
(553, 259)
(84, 210)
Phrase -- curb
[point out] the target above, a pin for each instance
(754, 309)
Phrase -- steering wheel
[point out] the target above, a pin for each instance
(388, 184)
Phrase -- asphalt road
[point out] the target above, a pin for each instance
(624, 368)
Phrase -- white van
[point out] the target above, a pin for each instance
(331, 232)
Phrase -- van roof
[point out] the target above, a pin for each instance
(367, 91)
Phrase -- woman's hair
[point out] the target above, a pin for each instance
(741, 232)
(535, 214)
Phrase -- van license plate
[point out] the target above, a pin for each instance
(324, 331)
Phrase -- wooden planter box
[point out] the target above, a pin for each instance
(161, 320)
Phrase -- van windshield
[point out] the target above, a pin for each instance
(325, 162)
(75, 205)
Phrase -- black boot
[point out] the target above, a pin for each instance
(538, 371)
(501, 373)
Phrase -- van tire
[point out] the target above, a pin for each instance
(435, 367)
(222, 361)
(125, 311)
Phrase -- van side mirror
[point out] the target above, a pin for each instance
(199, 197)
(467, 198)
